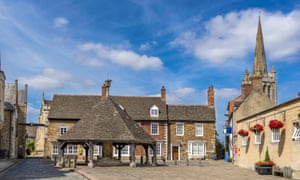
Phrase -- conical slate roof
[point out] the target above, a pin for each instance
(107, 122)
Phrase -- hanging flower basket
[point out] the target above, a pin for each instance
(243, 132)
(276, 124)
(257, 128)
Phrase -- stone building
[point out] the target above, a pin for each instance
(42, 129)
(13, 110)
(150, 113)
(258, 91)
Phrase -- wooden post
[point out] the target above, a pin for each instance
(91, 154)
(154, 162)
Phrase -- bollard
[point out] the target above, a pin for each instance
(175, 161)
(187, 161)
(141, 160)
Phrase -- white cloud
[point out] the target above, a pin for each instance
(176, 96)
(147, 45)
(49, 79)
(60, 22)
(227, 93)
(32, 110)
(120, 56)
(232, 36)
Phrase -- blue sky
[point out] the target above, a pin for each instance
(72, 46)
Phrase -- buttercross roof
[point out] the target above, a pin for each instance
(106, 121)
(191, 113)
(71, 106)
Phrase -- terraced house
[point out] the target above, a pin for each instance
(179, 131)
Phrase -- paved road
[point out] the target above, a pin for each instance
(36, 168)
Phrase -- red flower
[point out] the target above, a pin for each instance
(275, 124)
(257, 128)
(243, 132)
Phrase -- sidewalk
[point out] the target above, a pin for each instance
(6, 163)
(207, 169)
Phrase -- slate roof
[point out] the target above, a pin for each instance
(191, 113)
(139, 107)
(71, 106)
(106, 121)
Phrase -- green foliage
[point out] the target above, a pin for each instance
(31, 146)
(267, 156)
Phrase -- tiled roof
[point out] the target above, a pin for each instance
(71, 106)
(139, 107)
(191, 113)
(106, 121)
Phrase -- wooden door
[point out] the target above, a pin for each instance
(175, 152)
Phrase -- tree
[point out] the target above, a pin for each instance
(30, 147)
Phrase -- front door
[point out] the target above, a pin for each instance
(175, 152)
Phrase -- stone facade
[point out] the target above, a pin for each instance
(283, 152)
(42, 130)
(182, 142)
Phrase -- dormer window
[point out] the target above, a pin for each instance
(154, 111)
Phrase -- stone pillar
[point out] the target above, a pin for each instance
(91, 154)
(60, 162)
(147, 154)
(154, 162)
(132, 155)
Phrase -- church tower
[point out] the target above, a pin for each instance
(260, 78)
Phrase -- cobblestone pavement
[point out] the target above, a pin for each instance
(37, 168)
(206, 170)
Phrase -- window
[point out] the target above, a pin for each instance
(244, 140)
(158, 149)
(179, 129)
(257, 138)
(199, 129)
(125, 151)
(62, 130)
(98, 150)
(54, 149)
(154, 111)
(196, 148)
(71, 149)
(154, 128)
(296, 134)
(275, 135)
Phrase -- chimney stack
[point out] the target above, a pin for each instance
(163, 93)
(211, 96)
(105, 89)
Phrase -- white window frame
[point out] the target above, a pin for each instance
(257, 138)
(199, 129)
(179, 129)
(197, 149)
(275, 135)
(62, 130)
(244, 140)
(154, 128)
(125, 151)
(97, 150)
(159, 149)
(154, 111)
(54, 149)
(296, 134)
(71, 149)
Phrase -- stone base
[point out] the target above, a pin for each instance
(132, 164)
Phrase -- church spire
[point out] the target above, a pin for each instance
(259, 65)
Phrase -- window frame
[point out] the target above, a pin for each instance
(62, 132)
(71, 149)
(257, 138)
(152, 125)
(296, 134)
(275, 135)
(244, 140)
(177, 130)
(159, 149)
(125, 151)
(199, 129)
(54, 149)
(154, 111)
(196, 149)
